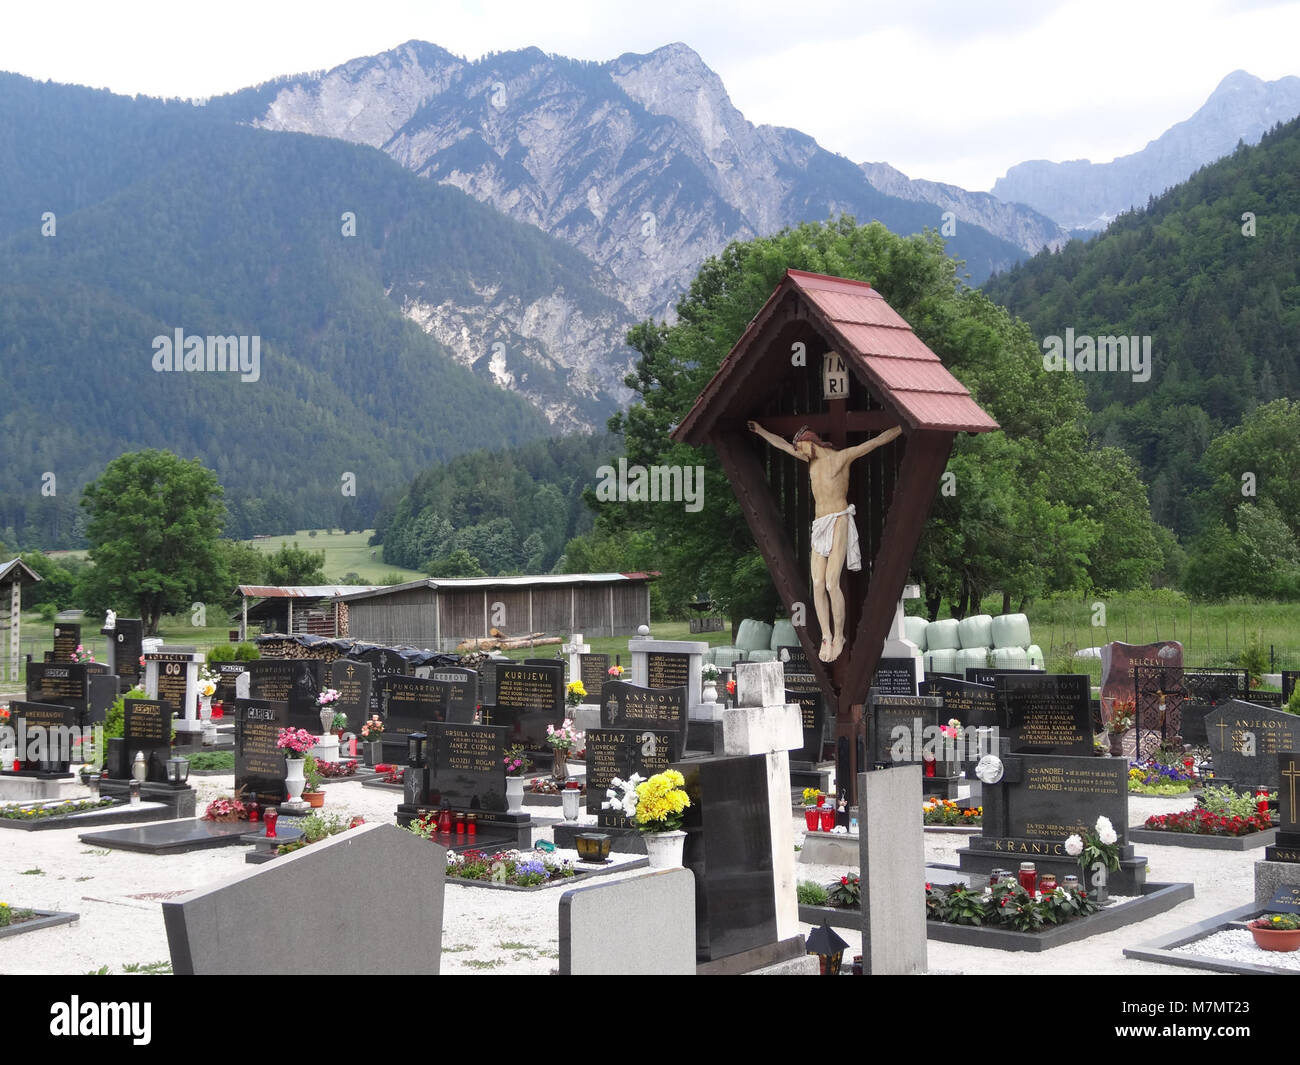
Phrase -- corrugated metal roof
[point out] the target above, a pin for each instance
(454, 583)
(301, 591)
(16, 566)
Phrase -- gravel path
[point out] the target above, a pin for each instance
(117, 894)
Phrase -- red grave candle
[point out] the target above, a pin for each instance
(271, 816)
(1261, 802)
(1028, 877)
(828, 819)
(811, 816)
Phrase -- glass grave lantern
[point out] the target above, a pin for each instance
(178, 771)
(828, 947)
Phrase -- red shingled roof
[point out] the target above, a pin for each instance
(902, 373)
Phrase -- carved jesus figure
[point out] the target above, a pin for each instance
(834, 534)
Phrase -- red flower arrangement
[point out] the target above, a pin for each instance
(1201, 822)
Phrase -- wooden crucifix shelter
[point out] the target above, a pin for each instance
(829, 355)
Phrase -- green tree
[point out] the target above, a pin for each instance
(460, 563)
(1024, 517)
(155, 520)
(294, 565)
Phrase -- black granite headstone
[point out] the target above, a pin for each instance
(67, 638)
(1193, 713)
(971, 704)
(228, 674)
(895, 676)
(412, 703)
(729, 849)
(1046, 713)
(528, 699)
(799, 676)
(1289, 678)
(459, 688)
(295, 681)
(57, 682)
(104, 690)
(148, 730)
(1245, 741)
(383, 662)
(900, 726)
(812, 714)
(629, 706)
(593, 671)
(127, 640)
(1286, 848)
(1059, 795)
(466, 766)
(1285, 900)
(667, 669)
(487, 681)
(620, 752)
(260, 767)
(45, 734)
(351, 679)
(988, 675)
(1272, 700)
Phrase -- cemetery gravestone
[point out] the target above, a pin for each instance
(459, 688)
(620, 752)
(974, 705)
(147, 729)
(412, 703)
(1289, 677)
(1119, 662)
(228, 674)
(1246, 740)
(67, 638)
(127, 643)
(988, 675)
(1287, 846)
(259, 763)
(58, 682)
(673, 664)
(352, 681)
(812, 716)
(895, 676)
(295, 681)
(383, 663)
(1046, 714)
(466, 767)
(44, 734)
(593, 671)
(898, 725)
(104, 690)
(642, 926)
(628, 706)
(799, 676)
(528, 699)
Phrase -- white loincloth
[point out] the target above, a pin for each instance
(823, 536)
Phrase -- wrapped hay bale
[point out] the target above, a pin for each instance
(1010, 630)
(976, 631)
(783, 635)
(1009, 658)
(914, 629)
(1035, 656)
(943, 660)
(942, 635)
(754, 635)
(972, 658)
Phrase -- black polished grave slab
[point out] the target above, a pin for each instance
(629, 706)
(180, 802)
(895, 676)
(1046, 713)
(988, 675)
(620, 752)
(147, 730)
(1289, 678)
(67, 638)
(383, 662)
(729, 848)
(812, 717)
(1245, 741)
(459, 692)
(593, 671)
(228, 674)
(411, 703)
(127, 641)
(1287, 846)
(260, 767)
(63, 683)
(170, 837)
(974, 705)
(897, 726)
(352, 680)
(103, 692)
(45, 732)
(528, 698)
(1193, 721)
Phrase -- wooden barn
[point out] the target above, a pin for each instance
(439, 612)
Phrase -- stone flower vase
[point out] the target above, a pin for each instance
(1116, 744)
(514, 795)
(710, 693)
(295, 779)
(374, 752)
(326, 719)
(560, 768)
(664, 849)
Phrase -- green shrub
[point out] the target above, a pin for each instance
(1227, 802)
(810, 894)
(1254, 659)
(247, 652)
(213, 760)
(115, 718)
(46, 611)
(223, 652)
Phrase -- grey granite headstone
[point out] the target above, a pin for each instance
(892, 855)
(1245, 741)
(643, 926)
(237, 927)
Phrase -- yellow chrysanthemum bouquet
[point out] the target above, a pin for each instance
(653, 805)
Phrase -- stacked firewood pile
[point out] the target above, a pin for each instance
(499, 641)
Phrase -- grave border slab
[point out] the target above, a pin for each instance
(1251, 841)
(1161, 950)
(120, 814)
(43, 919)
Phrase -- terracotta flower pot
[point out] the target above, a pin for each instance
(1274, 938)
(316, 798)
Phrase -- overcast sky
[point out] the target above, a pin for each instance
(951, 90)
